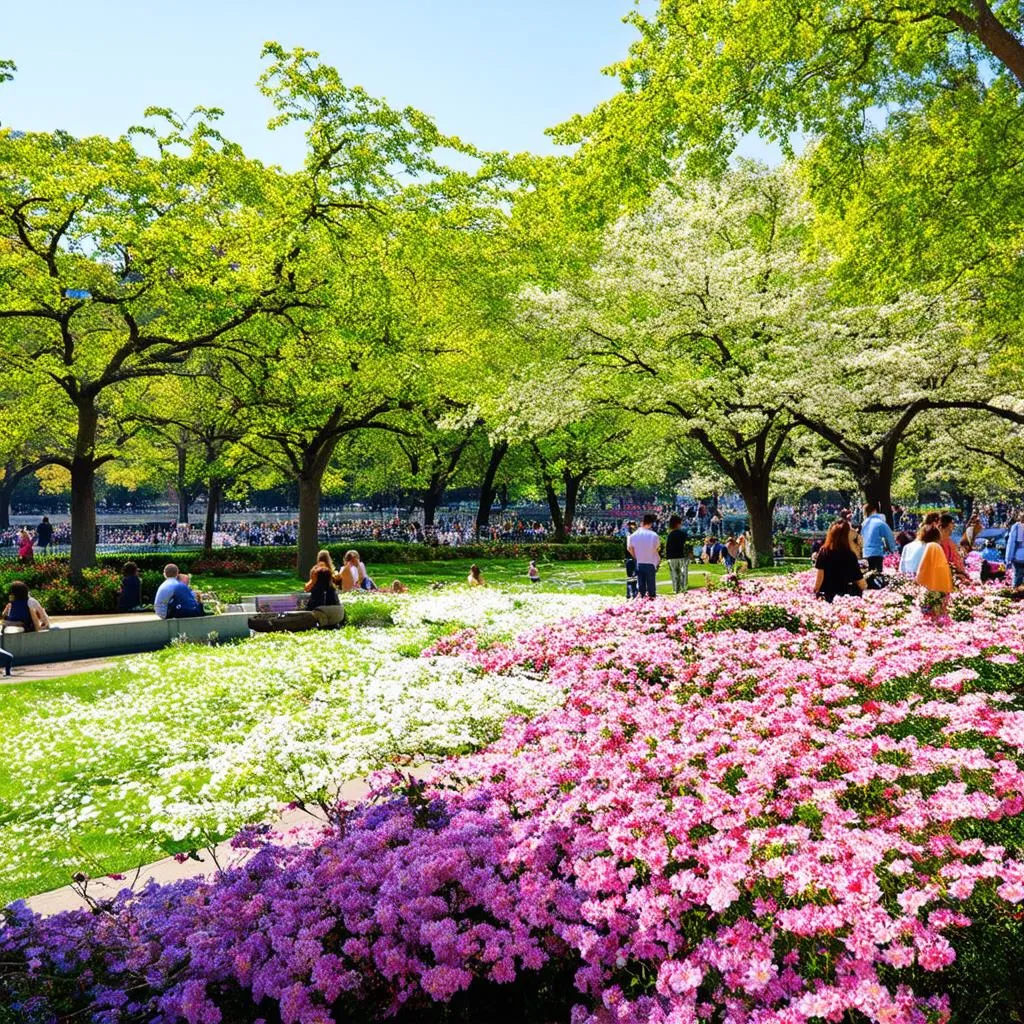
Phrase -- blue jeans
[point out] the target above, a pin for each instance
(645, 579)
(1018, 574)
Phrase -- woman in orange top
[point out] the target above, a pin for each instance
(934, 573)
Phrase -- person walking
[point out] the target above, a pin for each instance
(877, 537)
(25, 547)
(645, 547)
(677, 554)
(1015, 551)
(44, 535)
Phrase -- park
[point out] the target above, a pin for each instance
(539, 548)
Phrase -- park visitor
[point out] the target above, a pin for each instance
(645, 546)
(364, 577)
(973, 529)
(732, 550)
(837, 565)
(912, 553)
(323, 561)
(475, 577)
(18, 613)
(533, 573)
(1015, 551)
(174, 598)
(949, 549)
(934, 573)
(349, 578)
(40, 612)
(44, 534)
(8, 659)
(677, 554)
(129, 597)
(25, 546)
(397, 587)
(323, 598)
(877, 537)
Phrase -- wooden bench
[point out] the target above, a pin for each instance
(99, 639)
(280, 603)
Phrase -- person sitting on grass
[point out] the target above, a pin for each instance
(475, 577)
(174, 598)
(129, 597)
(533, 573)
(397, 587)
(348, 577)
(837, 568)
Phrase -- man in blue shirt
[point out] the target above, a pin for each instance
(174, 599)
(1015, 551)
(877, 536)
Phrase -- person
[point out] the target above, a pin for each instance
(732, 550)
(877, 537)
(398, 587)
(677, 554)
(323, 597)
(44, 534)
(966, 547)
(129, 597)
(19, 612)
(364, 577)
(174, 598)
(972, 530)
(990, 553)
(912, 553)
(1015, 551)
(475, 577)
(934, 572)
(628, 530)
(717, 551)
(323, 561)
(838, 568)
(645, 546)
(348, 576)
(533, 572)
(25, 554)
(949, 549)
(8, 660)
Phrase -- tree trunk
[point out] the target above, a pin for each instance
(309, 521)
(759, 507)
(181, 485)
(212, 508)
(572, 493)
(83, 494)
(876, 484)
(487, 489)
(432, 499)
(557, 519)
(6, 493)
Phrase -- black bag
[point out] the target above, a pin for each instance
(282, 622)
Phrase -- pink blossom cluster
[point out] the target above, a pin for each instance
(728, 819)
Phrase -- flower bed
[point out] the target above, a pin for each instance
(814, 817)
(48, 582)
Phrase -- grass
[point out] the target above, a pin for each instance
(607, 579)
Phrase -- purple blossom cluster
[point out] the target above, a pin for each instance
(759, 824)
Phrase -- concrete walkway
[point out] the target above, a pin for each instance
(56, 670)
(170, 870)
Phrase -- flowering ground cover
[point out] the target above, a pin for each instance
(749, 807)
(171, 751)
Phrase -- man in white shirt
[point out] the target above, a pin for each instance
(645, 547)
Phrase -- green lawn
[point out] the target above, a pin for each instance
(605, 578)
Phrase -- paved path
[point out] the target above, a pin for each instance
(56, 669)
(170, 870)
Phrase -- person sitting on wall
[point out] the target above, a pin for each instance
(19, 611)
(129, 597)
(174, 598)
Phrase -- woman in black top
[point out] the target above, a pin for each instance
(129, 597)
(838, 569)
(323, 593)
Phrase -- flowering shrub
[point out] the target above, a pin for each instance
(49, 584)
(752, 827)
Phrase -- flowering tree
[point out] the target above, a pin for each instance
(692, 308)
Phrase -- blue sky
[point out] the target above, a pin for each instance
(495, 73)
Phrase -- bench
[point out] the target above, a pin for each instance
(280, 603)
(99, 639)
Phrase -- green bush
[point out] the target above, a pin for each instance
(794, 545)
(49, 584)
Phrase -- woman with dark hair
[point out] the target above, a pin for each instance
(129, 597)
(949, 549)
(838, 572)
(19, 612)
(934, 572)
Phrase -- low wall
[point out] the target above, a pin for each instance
(98, 640)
